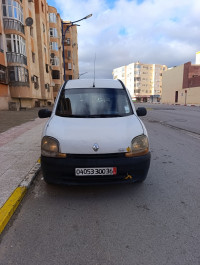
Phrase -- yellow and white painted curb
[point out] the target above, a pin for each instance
(7, 210)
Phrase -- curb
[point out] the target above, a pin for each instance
(9, 207)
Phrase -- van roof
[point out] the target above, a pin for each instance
(99, 83)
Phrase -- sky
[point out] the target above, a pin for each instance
(121, 32)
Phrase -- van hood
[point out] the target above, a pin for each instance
(78, 135)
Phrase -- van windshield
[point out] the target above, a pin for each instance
(93, 103)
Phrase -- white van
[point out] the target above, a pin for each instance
(94, 135)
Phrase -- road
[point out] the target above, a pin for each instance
(154, 223)
(183, 117)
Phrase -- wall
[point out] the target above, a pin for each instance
(179, 79)
(172, 81)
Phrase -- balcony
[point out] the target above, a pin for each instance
(13, 24)
(18, 76)
(13, 57)
(18, 83)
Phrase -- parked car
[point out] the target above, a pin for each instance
(94, 135)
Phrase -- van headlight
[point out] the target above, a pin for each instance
(50, 147)
(139, 146)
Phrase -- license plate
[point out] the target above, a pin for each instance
(95, 171)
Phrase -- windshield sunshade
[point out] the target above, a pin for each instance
(93, 103)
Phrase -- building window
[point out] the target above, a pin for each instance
(43, 27)
(17, 74)
(70, 77)
(54, 46)
(1, 43)
(68, 54)
(137, 72)
(47, 68)
(137, 90)
(55, 74)
(52, 18)
(16, 44)
(47, 86)
(12, 9)
(33, 57)
(34, 79)
(31, 31)
(53, 32)
(137, 78)
(69, 66)
(55, 61)
(3, 74)
(67, 41)
(138, 66)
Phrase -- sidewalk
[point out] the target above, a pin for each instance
(19, 153)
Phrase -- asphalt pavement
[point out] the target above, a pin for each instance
(154, 223)
(20, 136)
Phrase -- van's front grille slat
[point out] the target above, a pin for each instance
(95, 156)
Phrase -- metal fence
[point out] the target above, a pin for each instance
(13, 57)
(13, 24)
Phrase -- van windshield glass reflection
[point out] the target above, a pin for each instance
(94, 103)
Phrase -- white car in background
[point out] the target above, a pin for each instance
(94, 135)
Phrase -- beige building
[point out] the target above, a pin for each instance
(70, 51)
(56, 61)
(181, 85)
(44, 78)
(26, 54)
(31, 62)
(144, 81)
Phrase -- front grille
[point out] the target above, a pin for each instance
(96, 156)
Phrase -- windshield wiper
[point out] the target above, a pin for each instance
(105, 115)
(71, 116)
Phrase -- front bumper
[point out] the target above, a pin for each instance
(62, 170)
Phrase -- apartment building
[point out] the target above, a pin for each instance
(181, 85)
(56, 61)
(144, 81)
(21, 54)
(31, 63)
(70, 51)
(43, 81)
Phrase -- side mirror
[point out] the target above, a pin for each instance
(141, 111)
(44, 113)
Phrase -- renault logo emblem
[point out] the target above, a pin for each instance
(95, 147)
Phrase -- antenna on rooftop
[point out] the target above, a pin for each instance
(94, 69)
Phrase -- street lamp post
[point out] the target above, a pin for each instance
(69, 24)
(81, 75)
